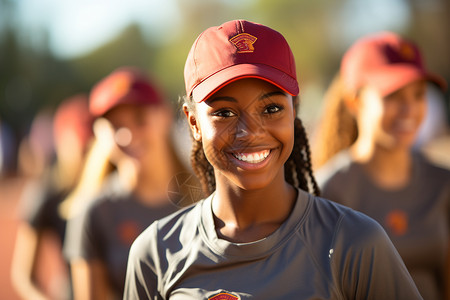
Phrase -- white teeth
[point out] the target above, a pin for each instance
(252, 158)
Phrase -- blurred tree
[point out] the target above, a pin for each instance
(127, 48)
(32, 78)
(430, 28)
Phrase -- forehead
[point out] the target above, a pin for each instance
(126, 112)
(245, 88)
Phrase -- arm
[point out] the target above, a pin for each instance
(24, 262)
(89, 280)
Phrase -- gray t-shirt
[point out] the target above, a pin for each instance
(322, 251)
(107, 227)
(416, 217)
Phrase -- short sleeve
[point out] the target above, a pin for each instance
(366, 264)
(142, 279)
(82, 239)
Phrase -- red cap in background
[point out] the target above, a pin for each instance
(126, 85)
(386, 62)
(73, 115)
(238, 49)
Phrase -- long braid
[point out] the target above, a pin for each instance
(298, 170)
(306, 155)
(202, 168)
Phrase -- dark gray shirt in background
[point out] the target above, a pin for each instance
(416, 217)
(107, 227)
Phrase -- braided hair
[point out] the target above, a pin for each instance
(297, 169)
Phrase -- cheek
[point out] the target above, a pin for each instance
(214, 138)
(388, 114)
(285, 134)
(422, 111)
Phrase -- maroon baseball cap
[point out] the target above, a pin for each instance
(238, 49)
(72, 115)
(125, 85)
(386, 62)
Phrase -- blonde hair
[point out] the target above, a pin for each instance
(96, 168)
(337, 129)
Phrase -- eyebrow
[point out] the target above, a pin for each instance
(262, 97)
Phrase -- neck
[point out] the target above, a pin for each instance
(149, 179)
(248, 215)
(388, 168)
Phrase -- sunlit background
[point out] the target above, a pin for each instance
(53, 49)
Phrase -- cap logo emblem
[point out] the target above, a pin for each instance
(224, 296)
(244, 42)
(407, 51)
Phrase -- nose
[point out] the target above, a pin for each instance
(249, 127)
(410, 107)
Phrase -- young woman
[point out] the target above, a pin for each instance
(43, 225)
(259, 234)
(136, 121)
(365, 153)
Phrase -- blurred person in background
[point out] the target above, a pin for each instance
(363, 151)
(433, 138)
(135, 120)
(7, 149)
(36, 151)
(43, 194)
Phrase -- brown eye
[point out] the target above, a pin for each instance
(272, 109)
(224, 113)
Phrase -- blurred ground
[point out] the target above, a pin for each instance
(9, 194)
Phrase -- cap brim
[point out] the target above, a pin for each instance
(225, 76)
(392, 78)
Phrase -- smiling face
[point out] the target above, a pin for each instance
(393, 121)
(247, 132)
(138, 130)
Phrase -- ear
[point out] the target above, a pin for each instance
(295, 104)
(193, 123)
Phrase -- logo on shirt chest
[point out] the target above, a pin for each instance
(128, 231)
(397, 222)
(223, 296)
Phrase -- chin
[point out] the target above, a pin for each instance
(253, 182)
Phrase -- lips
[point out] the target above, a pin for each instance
(252, 157)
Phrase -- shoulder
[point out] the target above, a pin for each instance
(361, 258)
(107, 200)
(341, 227)
(428, 168)
(350, 233)
(336, 169)
(341, 218)
(169, 229)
